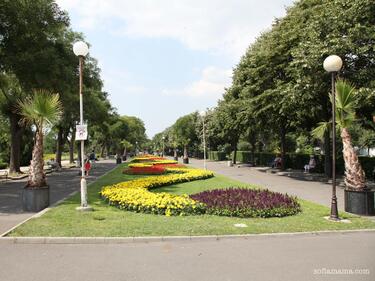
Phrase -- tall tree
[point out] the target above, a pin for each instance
(28, 33)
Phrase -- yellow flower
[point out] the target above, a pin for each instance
(135, 193)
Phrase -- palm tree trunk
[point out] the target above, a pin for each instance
(37, 177)
(354, 174)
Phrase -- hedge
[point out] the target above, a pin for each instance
(298, 160)
(3, 165)
(217, 155)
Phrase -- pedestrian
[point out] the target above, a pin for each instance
(311, 165)
(92, 156)
(87, 167)
(277, 162)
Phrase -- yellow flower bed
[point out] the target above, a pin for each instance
(140, 165)
(134, 195)
(151, 163)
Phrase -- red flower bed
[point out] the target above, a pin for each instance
(154, 170)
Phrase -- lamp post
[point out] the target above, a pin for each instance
(333, 64)
(136, 148)
(162, 154)
(203, 115)
(81, 49)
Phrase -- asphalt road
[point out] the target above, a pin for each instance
(285, 258)
(314, 191)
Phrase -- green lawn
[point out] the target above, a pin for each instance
(109, 221)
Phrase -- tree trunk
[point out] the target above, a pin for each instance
(71, 145)
(102, 152)
(283, 147)
(354, 174)
(71, 151)
(175, 153)
(37, 177)
(327, 155)
(59, 146)
(185, 152)
(15, 144)
(79, 158)
(235, 155)
(253, 147)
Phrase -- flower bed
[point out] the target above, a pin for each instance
(148, 170)
(241, 202)
(146, 158)
(152, 163)
(152, 168)
(134, 195)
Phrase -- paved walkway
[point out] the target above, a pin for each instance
(62, 183)
(261, 258)
(313, 191)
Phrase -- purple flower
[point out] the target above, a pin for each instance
(244, 202)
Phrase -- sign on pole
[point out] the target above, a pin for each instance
(81, 132)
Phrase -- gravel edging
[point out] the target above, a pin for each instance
(152, 239)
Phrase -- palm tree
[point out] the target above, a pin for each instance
(41, 109)
(345, 117)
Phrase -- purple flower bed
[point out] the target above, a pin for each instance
(243, 202)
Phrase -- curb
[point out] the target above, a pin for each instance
(158, 239)
(42, 212)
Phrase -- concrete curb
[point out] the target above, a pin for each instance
(153, 239)
(42, 212)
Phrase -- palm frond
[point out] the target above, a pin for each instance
(319, 131)
(345, 103)
(42, 108)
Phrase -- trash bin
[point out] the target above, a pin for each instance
(118, 160)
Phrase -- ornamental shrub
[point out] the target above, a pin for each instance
(217, 155)
(243, 202)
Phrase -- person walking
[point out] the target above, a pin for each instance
(87, 167)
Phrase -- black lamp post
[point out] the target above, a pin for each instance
(333, 64)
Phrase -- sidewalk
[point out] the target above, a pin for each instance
(62, 183)
(314, 191)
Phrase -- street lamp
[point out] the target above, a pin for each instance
(333, 64)
(203, 115)
(162, 154)
(81, 49)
